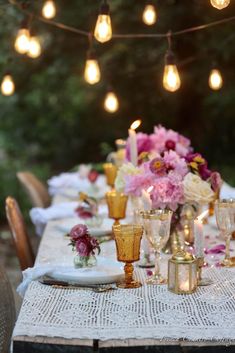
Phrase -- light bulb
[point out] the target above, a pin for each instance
(220, 4)
(22, 41)
(171, 78)
(7, 85)
(149, 15)
(35, 48)
(49, 9)
(215, 80)
(103, 27)
(111, 103)
(92, 71)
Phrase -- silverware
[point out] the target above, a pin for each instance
(66, 285)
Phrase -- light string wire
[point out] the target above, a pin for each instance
(127, 35)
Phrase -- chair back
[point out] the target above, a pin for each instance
(7, 312)
(35, 189)
(19, 233)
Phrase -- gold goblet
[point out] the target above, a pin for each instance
(110, 171)
(127, 239)
(116, 202)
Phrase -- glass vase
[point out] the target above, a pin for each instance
(84, 261)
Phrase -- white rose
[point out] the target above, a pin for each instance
(126, 169)
(196, 189)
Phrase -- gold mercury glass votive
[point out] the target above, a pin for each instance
(127, 239)
(110, 171)
(182, 273)
(117, 202)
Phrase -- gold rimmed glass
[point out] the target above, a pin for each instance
(127, 239)
(110, 171)
(117, 202)
(157, 227)
(225, 218)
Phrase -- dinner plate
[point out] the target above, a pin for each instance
(97, 231)
(106, 271)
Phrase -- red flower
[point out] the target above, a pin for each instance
(78, 231)
(170, 145)
(93, 175)
(83, 212)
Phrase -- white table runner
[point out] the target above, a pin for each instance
(147, 312)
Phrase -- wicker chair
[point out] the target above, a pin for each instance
(35, 189)
(20, 235)
(7, 312)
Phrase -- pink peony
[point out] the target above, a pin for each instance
(78, 231)
(167, 192)
(175, 163)
(134, 184)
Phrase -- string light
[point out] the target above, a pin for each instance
(49, 9)
(111, 103)
(35, 49)
(220, 4)
(7, 85)
(171, 78)
(103, 27)
(215, 79)
(22, 39)
(92, 70)
(149, 15)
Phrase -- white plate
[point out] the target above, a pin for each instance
(104, 229)
(106, 271)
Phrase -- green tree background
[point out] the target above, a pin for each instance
(56, 120)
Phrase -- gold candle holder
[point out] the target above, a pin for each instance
(110, 171)
(117, 203)
(182, 273)
(127, 239)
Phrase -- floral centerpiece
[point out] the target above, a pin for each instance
(171, 173)
(85, 246)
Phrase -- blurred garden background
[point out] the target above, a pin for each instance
(55, 120)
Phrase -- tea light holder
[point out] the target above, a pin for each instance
(110, 171)
(182, 273)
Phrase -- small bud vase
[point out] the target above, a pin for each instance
(84, 261)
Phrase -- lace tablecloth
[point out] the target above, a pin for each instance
(146, 312)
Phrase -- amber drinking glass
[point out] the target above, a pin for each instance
(110, 171)
(127, 239)
(117, 203)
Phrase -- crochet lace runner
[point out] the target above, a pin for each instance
(147, 312)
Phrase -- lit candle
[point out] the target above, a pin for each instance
(147, 203)
(198, 242)
(133, 142)
(184, 286)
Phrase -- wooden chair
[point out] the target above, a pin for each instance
(35, 189)
(19, 233)
(7, 312)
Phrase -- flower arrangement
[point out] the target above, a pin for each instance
(84, 244)
(175, 174)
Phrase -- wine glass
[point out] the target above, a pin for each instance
(225, 218)
(127, 239)
(117, 203)
(110, 171)
(157, 228)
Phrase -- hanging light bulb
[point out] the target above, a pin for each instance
(49, 9)
(215, 80)
(7, 85)
(103, 27)
(220, 4)
(35, 48)
(22, 39)
(111, 103)
(171, 78)
(149, 15)
(92, 69)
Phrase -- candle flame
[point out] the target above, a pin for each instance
(136, 124)
(150, 189)
(202, 215)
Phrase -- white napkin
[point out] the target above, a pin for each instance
(40, 216)
(67, 180)
(33, 273)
